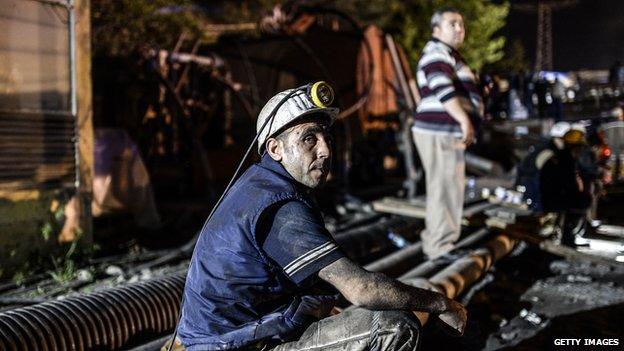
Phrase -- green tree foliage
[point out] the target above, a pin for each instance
(409, 21)
(240, 11)
(121, 27)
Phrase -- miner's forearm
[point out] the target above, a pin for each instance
(377, 291)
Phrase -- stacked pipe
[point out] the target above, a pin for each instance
(427, 268)
(456, 277)
(103, 320)
(464, 272)
(401, 260)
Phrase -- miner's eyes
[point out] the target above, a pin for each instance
(309, 139)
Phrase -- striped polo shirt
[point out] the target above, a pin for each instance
(443, 74)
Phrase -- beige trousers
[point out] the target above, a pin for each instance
(442, 157)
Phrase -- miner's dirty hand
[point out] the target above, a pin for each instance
(454, 319)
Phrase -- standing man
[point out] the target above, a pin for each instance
(450, 109)
(263, 273)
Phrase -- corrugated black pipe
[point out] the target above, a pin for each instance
(105, 320)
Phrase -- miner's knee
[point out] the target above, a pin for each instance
(394, 330)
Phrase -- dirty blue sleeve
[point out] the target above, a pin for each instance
(294, 237)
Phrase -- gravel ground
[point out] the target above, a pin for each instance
(536, 298)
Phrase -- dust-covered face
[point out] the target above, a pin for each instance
(305, 152)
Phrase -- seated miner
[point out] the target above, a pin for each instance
(265, 270)
(552, 182)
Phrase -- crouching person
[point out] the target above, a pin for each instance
(265, 270)
(552, 181)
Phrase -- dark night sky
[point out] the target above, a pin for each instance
(588, 35)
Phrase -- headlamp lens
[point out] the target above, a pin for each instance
(322, 94)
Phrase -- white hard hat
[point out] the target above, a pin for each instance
(297, 106)
(559, 129)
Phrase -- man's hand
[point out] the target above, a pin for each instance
(454, 108)
(455, 317)
(467, 133)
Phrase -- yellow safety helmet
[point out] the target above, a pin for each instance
(574, 137)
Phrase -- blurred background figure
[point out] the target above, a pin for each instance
(613, 133)
(122, 183)
(616, 73)
(552, 180)
(558, 96)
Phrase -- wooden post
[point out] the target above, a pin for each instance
(84, 117)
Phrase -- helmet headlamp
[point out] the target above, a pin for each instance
(321, 94)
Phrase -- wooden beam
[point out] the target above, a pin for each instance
(84, 116)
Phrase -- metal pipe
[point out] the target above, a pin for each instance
(109, 319)
(482, 165)
(73, 92)
(371, 239)
(423, 270)
(358, 222)
(395, 262)
(429, 267)
(477, 208)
